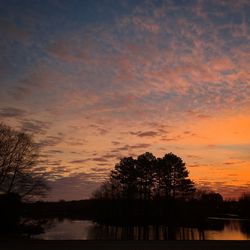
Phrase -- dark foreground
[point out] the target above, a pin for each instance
(125, 245)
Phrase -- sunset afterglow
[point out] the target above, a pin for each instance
(95, 81)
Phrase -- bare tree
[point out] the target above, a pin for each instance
(18, 159)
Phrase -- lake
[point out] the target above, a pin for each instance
(214, 229)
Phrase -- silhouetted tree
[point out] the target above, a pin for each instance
(126, 173)
(145, 166)
(244, 204)
(147, 177)
(211, 201)
(109, 190)
(172, 177)
(18, 157)
(212, 197)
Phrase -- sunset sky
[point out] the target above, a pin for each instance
(95, 81)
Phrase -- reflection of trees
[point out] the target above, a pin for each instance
(230, 225)
(245, 228)
(30, 227)
(26, 228)
(217, 225)
(165, 232)
(144, 232)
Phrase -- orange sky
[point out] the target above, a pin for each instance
(97, 81)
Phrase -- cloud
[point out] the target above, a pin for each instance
(230, 147)
(75, 152)
(131, 147)
(49, 141)
(234, 162)
(99, 129)
(11, 31)
(104, 170)
(194, 156)
(103, 159)
(54, 151)
(173, 138)
(62, 51)
(10, 112)
(75, 187)
(228, 191)
(115, 143)
(146, 76)
(76, 142)
(99, 159)
(140, 145)
(211, 146)
(80, 47)
(144, 134)
(35, 126)
(145, 24)
(193, 165)
(79, 161)
(110, 156)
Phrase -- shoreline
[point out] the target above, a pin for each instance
(123, 245)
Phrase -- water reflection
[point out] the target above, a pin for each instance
(234, 229)
(215, 229)
(65, 229)
(149, 232)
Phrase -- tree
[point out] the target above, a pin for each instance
(244, 204)
(18, 158)
(126, 174)
(208, 196)
(145, 166)
(147, 177)
(172, 177)
(109, 190)
(135, 176)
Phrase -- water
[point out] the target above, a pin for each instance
(215, 229)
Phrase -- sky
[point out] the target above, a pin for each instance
(94, 81)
